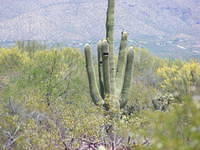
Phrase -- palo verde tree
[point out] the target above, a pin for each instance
(114, 80)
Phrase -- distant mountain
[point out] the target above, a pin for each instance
(166, 27)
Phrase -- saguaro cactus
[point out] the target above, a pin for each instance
(114, 82)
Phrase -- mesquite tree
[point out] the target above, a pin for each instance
(114, 80)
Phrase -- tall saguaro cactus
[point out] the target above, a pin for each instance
(114, 81)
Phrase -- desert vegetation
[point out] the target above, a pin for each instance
(70, 99)
(46, 103)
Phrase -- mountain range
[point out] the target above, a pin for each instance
(168, 28)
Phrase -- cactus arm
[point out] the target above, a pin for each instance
(106, 67)
(94, 92)
(110, 39)
(124, 40)
(100, 69)
(121, 62)
(127, 78)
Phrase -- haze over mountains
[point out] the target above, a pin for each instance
(166, 27)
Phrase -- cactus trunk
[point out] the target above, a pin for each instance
(110, 21)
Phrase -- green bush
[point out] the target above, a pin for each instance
(45, 101)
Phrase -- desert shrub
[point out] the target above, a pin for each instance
(162, 101)
(47, 101)
(46, 104)
(180, 78)
(145, 66)
(55, 72)
(12, 60)
(177, 128)
(141, 97)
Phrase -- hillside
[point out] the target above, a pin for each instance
(163, 26)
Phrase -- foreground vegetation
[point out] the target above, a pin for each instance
(45, 103)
